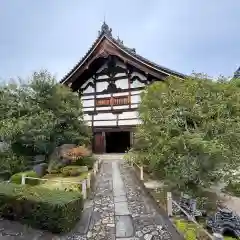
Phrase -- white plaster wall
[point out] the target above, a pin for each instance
(136, 92)
(122, 83)
(104, 116)
(103, 77)
(136, 74)
(120, 94)
(100, 86)
(121, 75)
(129, 122)
(103, 95)
(134, 105)
(90, 89)
(135, 99)
(87, 97)
(105, 123)
(89, 123)
(125, 115)
(137, 84)
(88, 103)
(87, 117)
(121, 107)
(121, 64)
(88, 109)
(90, 80)
(103, 108)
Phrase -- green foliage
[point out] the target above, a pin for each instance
(190, 130)
(53, 210)
(233, 188)
(39, 115)
(85, 161)
(12, 163)
(17, 178)
(71, 171)
(190, 231)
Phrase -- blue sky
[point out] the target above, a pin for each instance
(183, 35)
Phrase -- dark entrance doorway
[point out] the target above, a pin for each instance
(117, 142)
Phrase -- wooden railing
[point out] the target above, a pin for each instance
(85, 183)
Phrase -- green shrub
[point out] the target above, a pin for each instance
(72, 171)
(17, 178)
(85, 161)
(233, 188)
(52, 210)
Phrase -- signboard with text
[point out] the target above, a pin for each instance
(112, 101)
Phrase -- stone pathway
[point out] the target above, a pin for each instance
(119, 210)
(122, 210)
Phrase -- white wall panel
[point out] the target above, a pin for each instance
(121, 107)
(124, 115)
(87, 97)
(129, 122)
(103, 95)
(121, 64)
(136, 92)
(105, 123)
(100, 86)
(135, 99)
(89, 123)
(121, 75)
(136, 74)
(90, 89)
(88, 109)
(137, 84)
(87, 117)
(104, 116)
(122, 83)
(103, 77)
(90, 80)
(88, 103)
(103, 108)
(120, 94)
(134, 105)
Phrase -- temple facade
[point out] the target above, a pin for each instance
(109, 80)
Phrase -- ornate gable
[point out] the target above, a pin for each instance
(107, 49)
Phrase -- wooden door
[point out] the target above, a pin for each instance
(99, 143)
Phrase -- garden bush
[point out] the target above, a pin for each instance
(85, 161)
(233, 188)
(17, 178)
(52, 210)
(72, 171)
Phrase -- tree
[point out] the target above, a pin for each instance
(190, 130)
(40, 115)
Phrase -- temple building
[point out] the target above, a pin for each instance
(237, 73)
(109, 80)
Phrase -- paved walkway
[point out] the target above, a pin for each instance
(122, 210)
(119, 210)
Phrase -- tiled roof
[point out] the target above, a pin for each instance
(237, 73)
(107, 32)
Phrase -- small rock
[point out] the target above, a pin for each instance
(89, 234)
(111, 225)
(139, 234)
(148, 237)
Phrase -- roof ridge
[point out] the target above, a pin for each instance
(106, 31)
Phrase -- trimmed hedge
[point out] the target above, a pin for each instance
(52, 210)
(17, 178)
(72, 170)
(85, 161)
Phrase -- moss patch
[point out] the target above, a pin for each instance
(190, 230)
(56, 181)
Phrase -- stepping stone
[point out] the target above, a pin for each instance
(124, 226)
